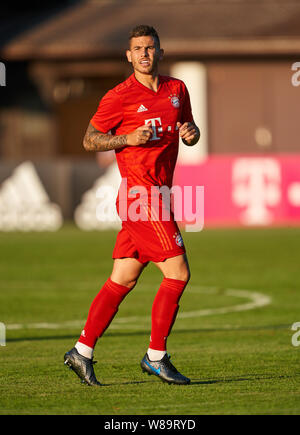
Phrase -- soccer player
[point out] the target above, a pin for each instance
(141, 119)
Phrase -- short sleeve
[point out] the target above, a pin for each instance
(109, 113)
(186, 112)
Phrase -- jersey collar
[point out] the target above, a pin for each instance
(150, 91)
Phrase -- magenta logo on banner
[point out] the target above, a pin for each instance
(247, 190)
(256, 188)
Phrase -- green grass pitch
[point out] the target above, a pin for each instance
(239, 356)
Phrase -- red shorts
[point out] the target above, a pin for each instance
(153, 239)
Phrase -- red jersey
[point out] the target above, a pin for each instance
(130, 105)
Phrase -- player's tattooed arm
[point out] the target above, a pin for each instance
(95, 140)
(189, 133)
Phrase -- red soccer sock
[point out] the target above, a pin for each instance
(102, 311)
(164, 311)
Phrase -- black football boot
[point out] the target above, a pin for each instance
(82, 366)
(164, 369)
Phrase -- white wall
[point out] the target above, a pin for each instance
(195, 77)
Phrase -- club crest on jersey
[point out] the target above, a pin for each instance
(174, 101)
(178, 239)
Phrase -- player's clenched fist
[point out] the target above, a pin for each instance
(139, 136)
(189, 133)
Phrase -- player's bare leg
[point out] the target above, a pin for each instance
(156, 361)
(126, 271)
(175, 268)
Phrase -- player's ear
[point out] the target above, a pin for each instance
(128, 54)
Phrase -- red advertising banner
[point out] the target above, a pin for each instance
(246, 190)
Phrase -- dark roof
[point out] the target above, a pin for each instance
(99, 28)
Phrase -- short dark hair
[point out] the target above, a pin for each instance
(144, 30)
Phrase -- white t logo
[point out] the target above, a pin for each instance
(152, 122)
(256, 186)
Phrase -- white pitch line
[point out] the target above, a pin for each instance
(256, 300)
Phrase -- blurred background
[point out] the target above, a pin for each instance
(240, 61)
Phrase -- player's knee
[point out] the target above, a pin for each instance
(131, 283)
(182, 274)
(185, 275)
(126, 282)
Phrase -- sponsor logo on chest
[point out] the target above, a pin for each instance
(157, 128)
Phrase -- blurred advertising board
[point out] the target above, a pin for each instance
(241, 190)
